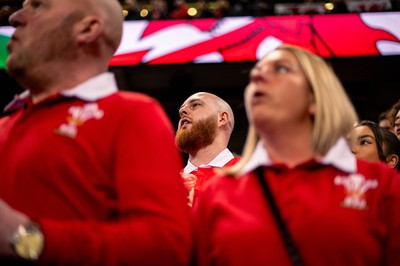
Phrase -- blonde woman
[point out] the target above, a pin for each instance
(299, 196)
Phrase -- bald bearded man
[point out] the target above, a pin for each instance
(203, 133)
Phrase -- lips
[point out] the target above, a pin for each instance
(185, 121)
(11, 42)
(258, 97)
(258, 94)
(9, 45)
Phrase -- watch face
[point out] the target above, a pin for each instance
(28, 242)
(29, 246)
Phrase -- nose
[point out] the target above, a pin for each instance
(183, 111)
(16, 18)
(255, 71)
(256, 74)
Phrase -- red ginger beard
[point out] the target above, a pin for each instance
(201, 134)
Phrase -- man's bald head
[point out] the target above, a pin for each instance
(221, 106)
(109, 13)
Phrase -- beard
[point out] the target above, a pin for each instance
(201, 134)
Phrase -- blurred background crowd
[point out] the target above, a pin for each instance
(185, 9)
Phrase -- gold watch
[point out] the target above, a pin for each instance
(28, 241)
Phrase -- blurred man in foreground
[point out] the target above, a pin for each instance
(78, 182)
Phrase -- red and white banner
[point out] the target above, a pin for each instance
(248, 38)
(235, 39)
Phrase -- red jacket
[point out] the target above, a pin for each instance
(85, 172)
(334, 217)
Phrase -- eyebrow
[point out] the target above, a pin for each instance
(274, 61)
(282, 60)
(190, 102)
(366, 137)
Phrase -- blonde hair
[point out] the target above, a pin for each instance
(334, 115)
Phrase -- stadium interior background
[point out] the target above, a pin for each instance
(371, 82)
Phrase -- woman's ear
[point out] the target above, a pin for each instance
(88, 29)
(312, 108)
(392, 160)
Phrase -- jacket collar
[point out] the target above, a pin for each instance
(91, 90)
(219, 161)
(339, 155)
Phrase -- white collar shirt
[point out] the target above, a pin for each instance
(91, 90)
(219, 161)
(339, 155)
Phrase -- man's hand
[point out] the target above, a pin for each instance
(9, 221)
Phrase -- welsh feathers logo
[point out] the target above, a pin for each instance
(356, 187)
(78, 115)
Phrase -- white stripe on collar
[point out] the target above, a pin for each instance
(95, 88)
(219, 161)
(339, 155)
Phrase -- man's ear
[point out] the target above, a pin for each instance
(392, 160)
(88, 29)
(223, 118)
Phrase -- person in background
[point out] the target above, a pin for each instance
(394, 117)
(376, 144)
(205, 126)
(384, 121)
(158, 10)
(202, 10)
(391, 148)
(221, 9)
(78, 182)
(180, 10)
(299, 196)
(132, 9)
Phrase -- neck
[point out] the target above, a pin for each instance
(289, 146)
(50, 82)
(205, 155)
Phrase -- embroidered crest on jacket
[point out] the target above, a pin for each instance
(78, 115)
(356, 186)
(189, 180)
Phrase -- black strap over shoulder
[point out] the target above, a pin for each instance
(287, 239)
